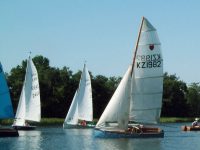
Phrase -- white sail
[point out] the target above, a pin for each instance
(147, 77)
(21, 111)
(72, 115)
(29, 102)
(117, 109)
(33, 107)
(85, 109)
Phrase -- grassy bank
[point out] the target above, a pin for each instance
(43, 122)
(175, 119)
(59, 121)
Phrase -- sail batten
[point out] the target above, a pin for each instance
(146, 109)
(148, 77)
(149, 93)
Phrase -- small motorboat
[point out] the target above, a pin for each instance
(190, 128)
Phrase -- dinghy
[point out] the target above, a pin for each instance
(29, 108)
(136, 103)
(194, 127)
(190, 128)
(80, 113)
(6, 109)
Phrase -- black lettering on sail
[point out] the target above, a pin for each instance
(159, 64)
(138, 64)
(143, 65)
(158, 56)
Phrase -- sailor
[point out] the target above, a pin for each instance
(27, 124)
(195, 123)
(83, 123)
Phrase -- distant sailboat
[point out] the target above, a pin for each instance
(138, 98)
(29, 103)
(6, 110)
(81, 106)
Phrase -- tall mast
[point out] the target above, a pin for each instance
(136, 47)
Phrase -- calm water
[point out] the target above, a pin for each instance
(55, 138)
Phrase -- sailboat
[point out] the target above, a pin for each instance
(29, 103)
(81, 109)
(136, 103)
(6, 109)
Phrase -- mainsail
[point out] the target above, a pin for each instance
(6, 110)
(29, 102)
(147, 77)
(85, 109)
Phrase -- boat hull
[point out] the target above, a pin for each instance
(8, 132)
(69, 126)
(27, 128)
(116, 134)
(190, 128)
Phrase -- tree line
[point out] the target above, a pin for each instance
(57, 88)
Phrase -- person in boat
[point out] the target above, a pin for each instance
(27, 124)
(135, 129)
(196, 122)
(83, 123)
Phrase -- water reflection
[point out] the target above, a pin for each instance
(129, 144)
(77, 139)
(29, 140)
(84, 139)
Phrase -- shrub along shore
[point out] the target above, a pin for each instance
(59, 121)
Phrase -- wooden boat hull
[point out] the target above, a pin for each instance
(8, 132)
(27, 128)
(69, 126)
(190, 128)
(126, 134)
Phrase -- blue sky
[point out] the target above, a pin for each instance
(102, 32)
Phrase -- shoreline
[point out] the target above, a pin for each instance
(59, 121)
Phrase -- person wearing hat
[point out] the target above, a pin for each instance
(195, 123)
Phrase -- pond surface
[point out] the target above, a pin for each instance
(57, 138)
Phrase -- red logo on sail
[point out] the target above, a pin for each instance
(151, 47)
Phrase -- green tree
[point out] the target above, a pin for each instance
(174, 97)
(103, 89)
(15, 82)
(193, 99)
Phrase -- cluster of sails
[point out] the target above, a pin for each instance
(136, 101)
